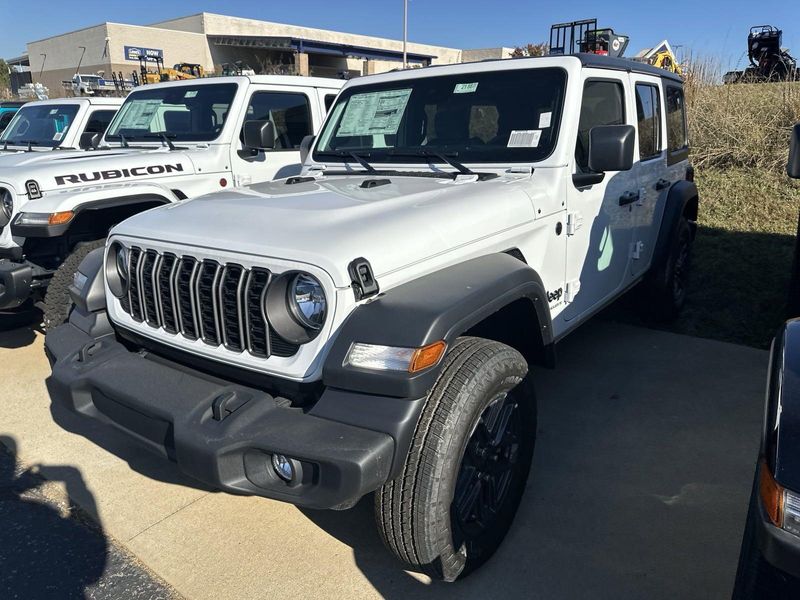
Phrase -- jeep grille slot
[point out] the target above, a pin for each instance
(208, 309)
(221, 304)
(134, 295)
(148, 287)
(231, 306)
(184, 284)
(258, 338)
(165, 292)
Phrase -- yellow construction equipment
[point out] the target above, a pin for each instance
(660, 56)
(179, 72)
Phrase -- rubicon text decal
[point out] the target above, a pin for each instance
(117, 174)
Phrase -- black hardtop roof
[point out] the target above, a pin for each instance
(598, 61)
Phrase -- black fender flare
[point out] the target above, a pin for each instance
(439, 306)
(49, 231)
(682, 198)
(780, 438)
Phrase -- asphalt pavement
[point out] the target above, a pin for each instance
(642, 470)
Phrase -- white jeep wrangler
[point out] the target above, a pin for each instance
(61, 124)
(169, 141)
(368, 326)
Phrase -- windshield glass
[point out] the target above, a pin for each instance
(491, 117)
(191, 113)
(43, 125)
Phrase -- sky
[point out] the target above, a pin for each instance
(712, 29)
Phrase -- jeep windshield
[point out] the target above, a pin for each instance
(503, 116)
(188, 113)
(42, 126)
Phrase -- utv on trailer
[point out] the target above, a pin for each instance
(769, 62)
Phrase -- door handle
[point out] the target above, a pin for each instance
(663, 183)
(628, 198)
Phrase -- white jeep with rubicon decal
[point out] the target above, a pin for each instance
(368, 326)
(168, 142)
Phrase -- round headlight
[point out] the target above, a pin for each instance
(6, 207)
(296, 306)
(117, 269)
(307, 301)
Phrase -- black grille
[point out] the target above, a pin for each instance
(134, 296)
(184, 284)
(148, 287)
(222, 304)
(166, 292)
(207, 301)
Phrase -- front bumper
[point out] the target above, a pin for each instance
(171, 409)
(16, 281)
(780, 548)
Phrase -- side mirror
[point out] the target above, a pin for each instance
(793, 166)
(89, 140)
(611, 148)
(305, 147)
(259, 135)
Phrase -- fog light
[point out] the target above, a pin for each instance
(283, 467)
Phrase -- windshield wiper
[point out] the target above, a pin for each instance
(462, 169)
(123, 141)
(165, 137)
(345, 153)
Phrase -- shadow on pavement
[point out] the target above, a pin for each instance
(18, 328)
(44, 554)
(640, 482)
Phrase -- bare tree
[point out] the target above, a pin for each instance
(540, 49)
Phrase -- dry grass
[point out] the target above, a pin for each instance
(748, 208)
(742, 125)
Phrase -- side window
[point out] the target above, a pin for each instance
(648, 113)
(5, 119)
(99, 120)
(677, 137)
(291, 114)
(329, 98)
(603, 104)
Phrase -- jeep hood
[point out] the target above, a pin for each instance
(58, 169)
(331, 221)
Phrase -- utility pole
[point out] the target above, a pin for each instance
(81, 59)
(405, 34)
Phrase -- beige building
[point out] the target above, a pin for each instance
(218, 43)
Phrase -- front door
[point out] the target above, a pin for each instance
(293, 116)
(599, 212)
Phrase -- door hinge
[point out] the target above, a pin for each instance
(574, 222)
(242, 180)
(637, 248)
(571, 290)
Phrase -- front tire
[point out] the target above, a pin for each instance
(57, 302)
(465, 473)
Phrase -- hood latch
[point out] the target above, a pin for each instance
(363, 280)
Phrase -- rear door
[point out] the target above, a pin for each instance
(294, 112)
(650, 167)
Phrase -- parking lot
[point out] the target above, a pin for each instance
(639, 489)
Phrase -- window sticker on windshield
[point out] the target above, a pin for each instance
(190, 94)
(139, 114)
(465, 88)
(374, 113)
(58, 135)
(528, 138)
(53, 111)
(545, 119)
